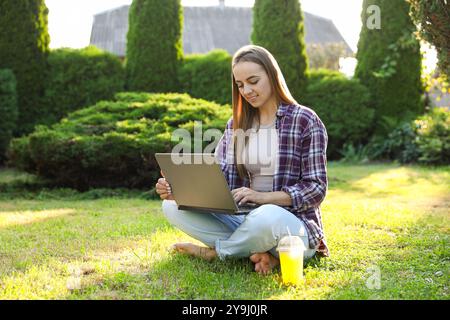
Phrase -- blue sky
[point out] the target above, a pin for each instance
(70, 21)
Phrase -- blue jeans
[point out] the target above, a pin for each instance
(239, 236)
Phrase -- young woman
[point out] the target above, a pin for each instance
(279, 164)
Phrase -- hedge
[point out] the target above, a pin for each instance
(207, 76)
(112, 143)
(343, 106)
(80, 78)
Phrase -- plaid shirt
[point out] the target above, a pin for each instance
(301, 170)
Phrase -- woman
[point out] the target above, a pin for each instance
(279, 164)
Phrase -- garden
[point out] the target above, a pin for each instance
(79, 215)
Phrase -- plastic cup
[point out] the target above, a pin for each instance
(290, 249)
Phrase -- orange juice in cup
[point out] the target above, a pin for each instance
(290, 249)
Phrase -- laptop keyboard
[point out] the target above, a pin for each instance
(247, 206)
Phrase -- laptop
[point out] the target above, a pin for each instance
(198, 183)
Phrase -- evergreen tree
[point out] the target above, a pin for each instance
(24, 47)
(389, 62)
(278, 26)
(8, 109)
(154, 45)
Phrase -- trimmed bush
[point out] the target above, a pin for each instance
(278, 26)
(207, 76)
(342, 104)
(154, 45)
(24, 47)
(8, 109)
(112, 143)
(80, 78)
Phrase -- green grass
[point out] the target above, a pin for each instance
(379, 218)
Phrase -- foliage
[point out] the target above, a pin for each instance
(8, 109)
(432, 19)
(433, 136)
(112, 143)
(425, 140)
(437, 84)
(278, 26)
(343, 106)
(80, 78)
(325, 55)
(352, 154)
(207, 76)
(400, 145)
(24, 46)
(389, 62)
(154, 45)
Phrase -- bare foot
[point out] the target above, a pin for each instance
(194, 250)
(264, 262)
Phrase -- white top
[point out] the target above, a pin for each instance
(260, 156)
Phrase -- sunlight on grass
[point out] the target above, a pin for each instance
(388, 217)
(12, 218)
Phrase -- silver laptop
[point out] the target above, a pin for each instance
(198, 183)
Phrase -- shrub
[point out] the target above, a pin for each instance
(79, 78)
(8, 109)
(342, 104)
(433, 136)
(399, 145)
(425, 140)
(207, 76)
(352, 154)
(112, 143)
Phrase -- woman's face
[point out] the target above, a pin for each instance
(253, 83)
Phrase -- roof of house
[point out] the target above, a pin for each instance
(205, 29)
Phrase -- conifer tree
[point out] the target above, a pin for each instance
(154, 45)
(389, 62)
(24, 47)
(278, 26)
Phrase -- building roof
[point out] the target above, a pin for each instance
(205, 29)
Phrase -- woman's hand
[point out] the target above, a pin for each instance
(163, 188)
(245, 195)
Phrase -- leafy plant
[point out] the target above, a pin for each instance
(352, 154)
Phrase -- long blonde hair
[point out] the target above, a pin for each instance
(244, 115)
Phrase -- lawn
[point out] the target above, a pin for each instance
(387, 228)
